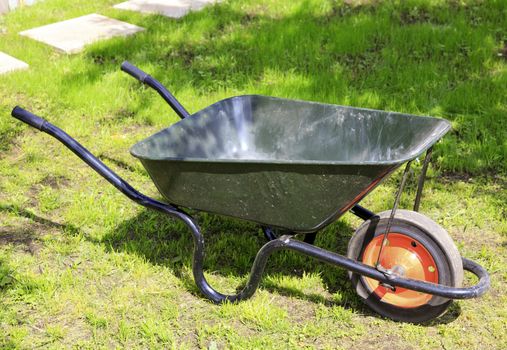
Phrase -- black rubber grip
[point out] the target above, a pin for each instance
(129, 68)
(29, 118)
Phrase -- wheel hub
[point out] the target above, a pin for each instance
(397, 270)
(402, 256)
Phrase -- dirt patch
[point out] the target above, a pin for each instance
(299, 311)
(185, 53)
(348, 8)
(8, 142)
(55, 181)
(124, 114)
(13, 151)
(33, 194)
(456, 177)
(487, 177)
(119, 116)
(414, 16)
(247, 18)
(104, 59)
(382, 342)
(474, 238)
(24, 238)
(138, 130)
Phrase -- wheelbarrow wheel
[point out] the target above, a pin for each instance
(416, 248)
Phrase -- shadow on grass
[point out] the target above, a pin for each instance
(14, 209)
(25, 238)
(231, 246)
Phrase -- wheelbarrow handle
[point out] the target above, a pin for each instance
(29, 118)
(132, 70)
(147, 79)
(95, 163)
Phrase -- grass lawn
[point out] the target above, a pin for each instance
(82, 266)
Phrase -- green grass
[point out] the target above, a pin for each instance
(82, 266)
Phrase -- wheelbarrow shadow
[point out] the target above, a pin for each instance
(231, 247)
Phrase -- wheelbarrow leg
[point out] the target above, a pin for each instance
(271, 234)
(422, 178)
(310, 237)
(362, 212)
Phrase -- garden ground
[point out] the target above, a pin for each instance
(82, 266)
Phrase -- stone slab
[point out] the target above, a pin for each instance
(168, 8)
(4, 6)
(9, 5)
(9, 63)
(73, 35)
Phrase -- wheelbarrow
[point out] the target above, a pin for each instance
(295, 167)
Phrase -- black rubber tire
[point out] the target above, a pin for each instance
(435, 239)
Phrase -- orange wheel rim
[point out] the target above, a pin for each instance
(406, 257)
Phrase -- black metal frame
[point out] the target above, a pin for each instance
(285, 242)
(391, 216)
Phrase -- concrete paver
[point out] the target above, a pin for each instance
(73, 35)
(9, 63)
(169, 8)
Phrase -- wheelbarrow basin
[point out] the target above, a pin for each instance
(284, 163)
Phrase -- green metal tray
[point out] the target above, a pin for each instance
(284, 163)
